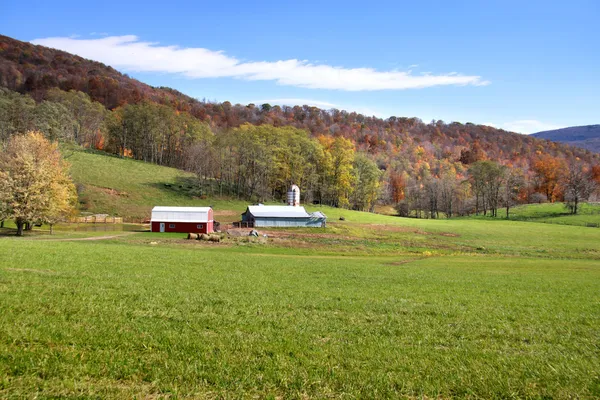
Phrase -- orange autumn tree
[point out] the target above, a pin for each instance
(596, 174)
(34, 183)
(548, 172)
(397, 187)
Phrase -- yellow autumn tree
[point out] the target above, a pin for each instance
(34, 183)
(338, 164)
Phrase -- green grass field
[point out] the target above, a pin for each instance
(374, 306)
(478, 309)
(554, 213)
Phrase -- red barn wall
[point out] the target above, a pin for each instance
(185, 227)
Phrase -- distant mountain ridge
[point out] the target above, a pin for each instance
(585, 137)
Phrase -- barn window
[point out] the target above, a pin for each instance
(199, 226)
(172, 226)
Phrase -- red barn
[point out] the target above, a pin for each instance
(182, 219)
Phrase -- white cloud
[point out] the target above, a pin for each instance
(130, 53)
(528, 126)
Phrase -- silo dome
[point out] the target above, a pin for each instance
(293, 196)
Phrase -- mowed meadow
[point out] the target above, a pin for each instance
(371, 307)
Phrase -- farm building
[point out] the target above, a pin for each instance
(282, 216)
(182, 219)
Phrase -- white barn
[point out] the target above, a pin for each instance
(282, 216)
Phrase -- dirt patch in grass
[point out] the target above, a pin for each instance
(110, 191)
(402, 262)
(240, 232)
(448, 234)
(445, 234)
(104, 237)
(224, 213)
(36, 271)
(392, 228)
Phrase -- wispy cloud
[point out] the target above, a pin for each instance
(130, 53)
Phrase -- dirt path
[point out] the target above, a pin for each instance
(89, 238)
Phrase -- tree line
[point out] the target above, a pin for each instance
(251, 162)
(259, 161)
(489, 186)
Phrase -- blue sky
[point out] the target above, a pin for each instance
(519, 65)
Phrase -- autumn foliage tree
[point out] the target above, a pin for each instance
(548, 174)
(397, 187)
(339, 178)
(367, 181)
(34, 183)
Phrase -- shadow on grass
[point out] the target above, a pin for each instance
(185, 187)
(12, 232)
(191, 188)
(8, 232)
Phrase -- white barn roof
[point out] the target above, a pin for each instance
(180, 214)
(278, 212)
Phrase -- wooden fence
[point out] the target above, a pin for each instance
(98, 219)
(242, 224)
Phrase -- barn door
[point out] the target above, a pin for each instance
(162, 226)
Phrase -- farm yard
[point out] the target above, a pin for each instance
(384, 307)
(371, 306)
(327, 210)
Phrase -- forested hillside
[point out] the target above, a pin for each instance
(586, 137)
(254, 152)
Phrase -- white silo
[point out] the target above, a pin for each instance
(293, 196)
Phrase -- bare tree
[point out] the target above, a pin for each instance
(578, 184)
(432, 191)
(486, 180)
(513, 181)
(448, 193)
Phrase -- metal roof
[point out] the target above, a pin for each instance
(181, 209)
(278, 212)
(180, 214)
(318, 214)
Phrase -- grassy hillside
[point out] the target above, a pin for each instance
(129, 188)
(553, 213)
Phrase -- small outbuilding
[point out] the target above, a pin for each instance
(282, 216)
(182, 219)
